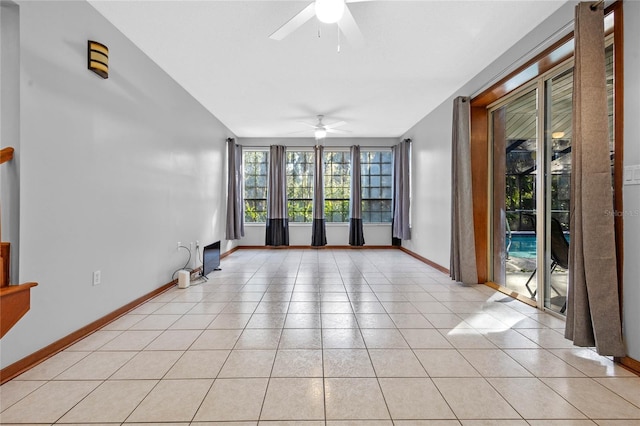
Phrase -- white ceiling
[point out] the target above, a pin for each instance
(417, 54)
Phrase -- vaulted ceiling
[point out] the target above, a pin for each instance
(416, 55)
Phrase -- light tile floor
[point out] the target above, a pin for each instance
(335, 337)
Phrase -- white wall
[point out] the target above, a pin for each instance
(337, 233)
(10, 130)
(431, 186)
(631, 295)
(431, 147)
(375, 234)
(113, 173)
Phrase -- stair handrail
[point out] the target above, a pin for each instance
(6, 154)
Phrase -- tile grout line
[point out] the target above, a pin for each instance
(425, 370)
(266, 390)
(169, 369)
(371, 360)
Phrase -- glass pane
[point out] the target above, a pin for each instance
(255, 166)
(608, 55)
(300, 185)
(558, 120)
(515, 142)
(376, 186)
(337, 185)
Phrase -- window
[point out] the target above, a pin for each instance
(255, 169)
(337, 182)
(377, 184)
(300, 185)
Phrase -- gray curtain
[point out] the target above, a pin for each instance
(356, 233)
(277, 232)
(318, 232)
(235, 199)
(593, 312)
(401, 190)
(462, 263)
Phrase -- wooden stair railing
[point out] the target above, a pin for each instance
(14, 303)
(6, 154)
(15, 300)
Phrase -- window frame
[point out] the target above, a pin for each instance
(247, 149)
(308, 215)
(327, 200)
(390, 186)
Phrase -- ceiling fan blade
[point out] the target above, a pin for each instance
(313, 126)
(294, 23)
(336, 124)
(337, 131)
(350, 29)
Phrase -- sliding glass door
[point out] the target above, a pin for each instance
(531, 133)
(531, 190)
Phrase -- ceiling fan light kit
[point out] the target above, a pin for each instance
(321, 130)
(320, 133)
(329, 11)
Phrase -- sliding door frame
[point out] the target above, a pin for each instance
(558, 53)
(542, 180)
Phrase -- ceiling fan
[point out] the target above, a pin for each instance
(320, 129)
(329, 12)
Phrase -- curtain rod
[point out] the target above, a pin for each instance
(595, 4)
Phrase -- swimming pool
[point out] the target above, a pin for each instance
(522, 245)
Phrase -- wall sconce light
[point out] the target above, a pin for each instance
(98, 58)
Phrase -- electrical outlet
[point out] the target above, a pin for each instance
(197, 244)
(97, 277)
(178, 246)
